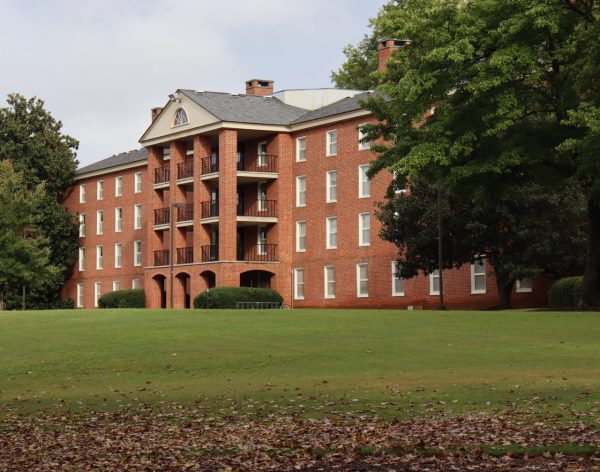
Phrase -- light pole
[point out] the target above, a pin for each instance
(171, 251)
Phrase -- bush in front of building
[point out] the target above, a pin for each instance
(133, 298)
(227, 297)
(566, 293)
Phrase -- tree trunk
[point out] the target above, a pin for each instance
(1, 298)
(504, 284)
(591, 273)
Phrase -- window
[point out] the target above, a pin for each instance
(97, 293)
(301, 191)
(331, 186)
(180, 117)
(118, 186)
(262, 154)
(362, 145)
(138, 182)
(331, 232)
(99, 222)
(362, 280)
(331, 143)
(478, 277)
(135, 284)
(116, 285)
(298, 284)
(364, 184)
(300, 149)
(118, 220)
(80, 295)
(364, 229)
(81, 225)
(100, 190)
(137, 219)
(524, 285)
(261, 247)
(81, 259)
(300, 236)
(262, 196)
(137, 253)
(118, 255)
(329, 279)
(82, 194)
(434, 282)
(397, 281)
(99, 257)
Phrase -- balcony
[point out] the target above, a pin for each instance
(185, 255)
(162, 175)
(263, 163)
(161, 258)
(210, 165)
(185, 213)
(258, 252)
(210, 209)
(162, 216)
(185, 170)
(258, 211)
(210, 253)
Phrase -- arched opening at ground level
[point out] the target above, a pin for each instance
(160, 287)
(182, 290)
(210, 278)
(256, 278)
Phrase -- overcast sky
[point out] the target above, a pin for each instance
(101, 65)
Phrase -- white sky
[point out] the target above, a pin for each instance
(101, 65)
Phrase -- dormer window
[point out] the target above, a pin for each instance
(181, 117)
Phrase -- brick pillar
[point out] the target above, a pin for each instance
(157, 200)
(178, 155)
(202, 145)
(227, 194)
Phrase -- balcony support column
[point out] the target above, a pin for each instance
(227, 195)
(202, 148)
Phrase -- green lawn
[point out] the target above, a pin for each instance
(314, 361)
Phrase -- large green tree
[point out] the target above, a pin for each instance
(516, 86)
(33, 141)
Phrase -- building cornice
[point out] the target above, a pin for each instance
(110, 170)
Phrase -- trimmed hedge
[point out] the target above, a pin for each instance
(123, 299)
(566, 293)
(227, 297)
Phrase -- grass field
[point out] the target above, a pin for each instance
(311, 361)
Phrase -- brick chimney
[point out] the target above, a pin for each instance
(259, 87)
(154, 112)
(386, 47)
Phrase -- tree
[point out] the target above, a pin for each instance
(509, 232)
(32, 140)
(516, 88)
(24, 256)
(361, 63)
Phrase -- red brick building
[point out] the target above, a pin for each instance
(265, 189)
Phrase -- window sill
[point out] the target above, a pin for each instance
(478, 292)
(362, 296)
(524, 290)
(398, 294)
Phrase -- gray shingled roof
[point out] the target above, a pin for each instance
(344, 105)
(246, 108)
(128, 157)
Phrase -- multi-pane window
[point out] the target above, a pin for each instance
(524, 285)
(118, 220)
(137, 216)
(99, 257)
(118, 255)
(478, 276)
(261, 247)
(137, 253)
(300, 236)
(331, 186)
(181, 117)
(97, 293)
(99, 222)
(434, 282)
(362, 280)
(329, 280)
(118, 186)
(364, 229)
(364, 184)
(81, 225)
(262, 196)
(135, 284)
(81, 259)
(82, 193)
(331, 232)
(138, 182)
(301, 191)
(331, 143)
(300, 149)
(79, 295)
(100, 190)
(262, 154)
(298, 284)
(116, 285)
(397, 281)
(362, 144)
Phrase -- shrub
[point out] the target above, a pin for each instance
(123, 299)
(566, 293)
(226, 297)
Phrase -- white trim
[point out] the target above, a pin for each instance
(298, 149)
(474, 291)
(328, 186)
(118, 219)
(99, 257)
(116, 285)
(137, 177)
(326, 282)
(434, 275)
(297, 296)
(362, 171)
(360, 294)
(261, 157)
(394, 279)
(99, 222)
(137, 217)
(97, 293)
(79, 296)
(328, 232)
(329, 142)
(330, 120)
(81, 259)
(82, 227)
(100, 190)
(298, 225)
(361, 229)
(187, 118)
(118, 186)
(301, 178)
(110, 170)
(82, 194)
(137, 263)
(362, 146)
(133, 284)
(520, 289)
(118, 255)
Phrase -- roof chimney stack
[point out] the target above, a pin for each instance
(259, 87)
(386, 47)
(154, 112)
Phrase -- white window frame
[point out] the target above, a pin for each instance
(118, 219)
(118, 186)
(135, 284)
(432, 276)
(118, 255)
(79, 296)
(99, 222)
(137, 216)
(100, 190)
(180, 117)
(262, 196)
(328, 282)
(301, 149)
(329, 233)
(116, 285)
(362, 229)
(82, 225)
(330, 190)
(261, 243)
(300, 237)
(297, 295)
(99, 257)
(396, 293)
(81, 259)
(474, 275)
(82, 193)
(137, 253)
(137, 183)
(363, 181)
(359, 293)
(362, 146)
(97, 293)
(261, 157)
(520, 289)
(299, 191)
(329, 142)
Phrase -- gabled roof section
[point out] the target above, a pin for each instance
(262, 110)
(129, 157)
(345, 105)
